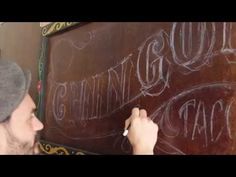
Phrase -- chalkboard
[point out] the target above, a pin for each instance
(183, 74)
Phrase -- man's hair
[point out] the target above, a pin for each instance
(14, 85)
(6, 119)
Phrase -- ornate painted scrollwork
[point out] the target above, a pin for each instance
(55, 27)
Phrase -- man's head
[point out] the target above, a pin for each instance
(18, 124)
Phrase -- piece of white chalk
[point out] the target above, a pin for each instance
(126, 132)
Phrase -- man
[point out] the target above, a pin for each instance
(19, 125)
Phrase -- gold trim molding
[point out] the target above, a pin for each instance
(57, 150)
(55, 27)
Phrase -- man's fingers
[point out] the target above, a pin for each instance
(127, 122)
(135, 112)
(143, 113)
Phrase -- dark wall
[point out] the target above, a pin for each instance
(20, 42)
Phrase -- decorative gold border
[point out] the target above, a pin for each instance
(55, 27)
(48, 148)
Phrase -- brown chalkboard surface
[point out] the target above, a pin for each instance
(183, 74)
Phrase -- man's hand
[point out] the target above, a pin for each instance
(142, 132)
